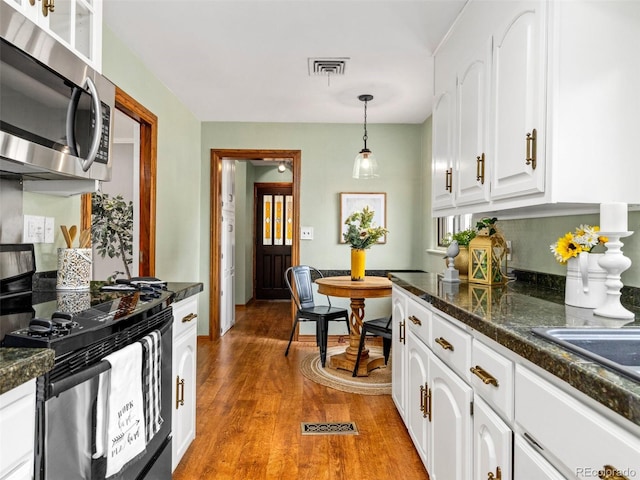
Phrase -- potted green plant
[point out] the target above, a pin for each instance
(112, 228)
(461, 261)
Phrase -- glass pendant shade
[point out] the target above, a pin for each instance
(365, 165)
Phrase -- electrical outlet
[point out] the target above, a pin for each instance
(306, 233)
(34, 230)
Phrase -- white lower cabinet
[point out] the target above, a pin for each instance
(183, 417)
(587, 442)
(450, 428)
(398, 354)
(476, 410)
(418, 402)
(492, 444)
(17, 432)
(528, 464)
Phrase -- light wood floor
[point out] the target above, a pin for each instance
(252, 399)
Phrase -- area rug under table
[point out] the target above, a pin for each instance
(377, 383)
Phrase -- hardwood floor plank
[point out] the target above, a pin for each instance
(252, 399)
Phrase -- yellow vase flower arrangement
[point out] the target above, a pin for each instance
(360, 235)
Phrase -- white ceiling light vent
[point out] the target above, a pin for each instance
(327, 66)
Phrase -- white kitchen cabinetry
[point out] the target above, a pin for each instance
(459, 125)
(398, 351)
(519, 59)
(528, 464)
(492, 443)
(77, 24)
(17, 432)
(551, 74)
(450, 423)
(418, 400)
(183, 416)
(595, 441)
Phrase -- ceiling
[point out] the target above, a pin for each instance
(247, 61)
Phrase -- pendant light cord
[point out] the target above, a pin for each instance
(365, 137)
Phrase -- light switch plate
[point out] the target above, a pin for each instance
(33, 229)
(306, 233)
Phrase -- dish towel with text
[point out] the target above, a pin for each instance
(120, 426)
(152, 382)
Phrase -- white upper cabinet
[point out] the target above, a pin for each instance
(557, 131)
(443, 124)
(77, 24)
(518, 125)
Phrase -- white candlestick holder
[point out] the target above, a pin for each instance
(614, 262)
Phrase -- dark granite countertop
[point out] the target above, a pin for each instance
(18, 365)
(507, 313)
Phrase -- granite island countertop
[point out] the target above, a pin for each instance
(19, 365)
(507, 313)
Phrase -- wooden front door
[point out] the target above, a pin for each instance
(274, 237)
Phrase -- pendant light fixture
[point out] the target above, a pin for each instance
(366, 165)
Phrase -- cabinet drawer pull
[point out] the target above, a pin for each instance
(179, 392)
(609, 472)
(402, 332)
(189, 317)
(497, 476)
(480, 169)
(532, 149)
(444, 344)
(531, 441)
(415, 320)
(483, 375)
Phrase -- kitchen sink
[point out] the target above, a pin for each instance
(618, 349)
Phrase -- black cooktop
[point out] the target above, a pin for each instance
(75, 320)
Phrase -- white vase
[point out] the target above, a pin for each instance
(585, 286)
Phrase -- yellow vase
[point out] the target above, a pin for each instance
(358, 257)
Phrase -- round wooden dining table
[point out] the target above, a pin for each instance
(357, 291)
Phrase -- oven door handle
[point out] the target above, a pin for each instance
(76, 379)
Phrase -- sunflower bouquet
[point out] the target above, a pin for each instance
(584, 239)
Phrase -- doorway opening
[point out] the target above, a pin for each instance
(147, 183)
(216, 207)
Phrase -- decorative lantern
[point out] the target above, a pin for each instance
(486, 256)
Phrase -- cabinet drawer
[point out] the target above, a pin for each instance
(418, 320)
(574, 433)
(452, 345)
(492, 378)
(185, 315)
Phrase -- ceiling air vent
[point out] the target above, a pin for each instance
(327, 66)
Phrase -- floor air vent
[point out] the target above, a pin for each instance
(332, 428)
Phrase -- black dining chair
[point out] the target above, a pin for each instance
(380, 327)
(300, 276)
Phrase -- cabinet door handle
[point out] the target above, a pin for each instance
(497, 476)
(402, 332)
(179, 392)
(483, 375)
(189, 317)
(532, 148)
(448, 180)
(47, 6)
(609, 472)
(444, 344)
(425, 401)
(480, 169)
(415, 320)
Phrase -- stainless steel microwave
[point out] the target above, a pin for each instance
(55, 111)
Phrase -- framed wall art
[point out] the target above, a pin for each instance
(351, 202)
